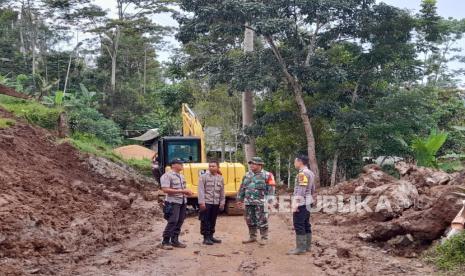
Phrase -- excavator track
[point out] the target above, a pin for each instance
(231, 208)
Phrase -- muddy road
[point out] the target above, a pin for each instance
(335, 251)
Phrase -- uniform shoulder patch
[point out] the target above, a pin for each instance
(302, 179)
(270, 179)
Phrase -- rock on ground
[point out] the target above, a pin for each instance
(117, 171)
(423, 202)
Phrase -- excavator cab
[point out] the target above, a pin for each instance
(188, 149)
(191, 149)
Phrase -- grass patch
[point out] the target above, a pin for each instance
(6, 123)
(449, 257)
(88, 143)
(34, 112)
(143, 166)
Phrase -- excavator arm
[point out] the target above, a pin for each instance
(191, 126)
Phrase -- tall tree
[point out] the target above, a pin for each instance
(133, 15)
(294, 31)
(437, 41)
(248, 101)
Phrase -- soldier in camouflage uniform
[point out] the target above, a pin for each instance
(255, 186)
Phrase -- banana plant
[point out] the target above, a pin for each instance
(58, 99)
(425, 150)
(86, 97)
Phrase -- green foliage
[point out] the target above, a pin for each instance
(6, 123)
(88, 120)
(89, 143)
(451, 166)
(397, 119)
(452, 162)
(56, 100)
(32, 111)
(86, 97)
(450, 255)
(144, 166)
(425, 150)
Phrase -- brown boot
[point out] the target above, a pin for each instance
(263, 236)
(252, 236)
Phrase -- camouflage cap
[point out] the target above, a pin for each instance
(257, 160)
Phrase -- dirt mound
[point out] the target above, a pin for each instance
(54, 209)
(134, 152)
(117, 171)
(381, 197)
(415, 209)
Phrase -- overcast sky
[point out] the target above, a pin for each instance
(446, 8)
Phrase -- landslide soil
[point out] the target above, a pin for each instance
(54, 209)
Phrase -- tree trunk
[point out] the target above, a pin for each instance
(67, 73)
(247, 101)
(334, 169)
(247, 120)
(308, 133)
(325, 177)
(298, 95)
(223, 150)
(145, 68)
(113, 73)
(22, 48)
(278, 169)
(63, 126)
(33, 62)
(289, 172)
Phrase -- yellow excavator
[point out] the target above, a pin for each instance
(191, 148)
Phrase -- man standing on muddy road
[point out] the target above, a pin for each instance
(211, 199)
(173, 185)
(256, 185)
(304, 189)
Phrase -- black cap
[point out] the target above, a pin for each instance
(176, 161)
(303, 158)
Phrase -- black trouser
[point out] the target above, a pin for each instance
(208, 219)
(156, 174)
(301, 220)
(176, 213)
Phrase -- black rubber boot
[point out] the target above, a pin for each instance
(301, 245)
(215, 240)
(176, 243)
(166, 244)
(309, 241)
(207, 240)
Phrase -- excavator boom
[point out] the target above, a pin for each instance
(191, 126)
